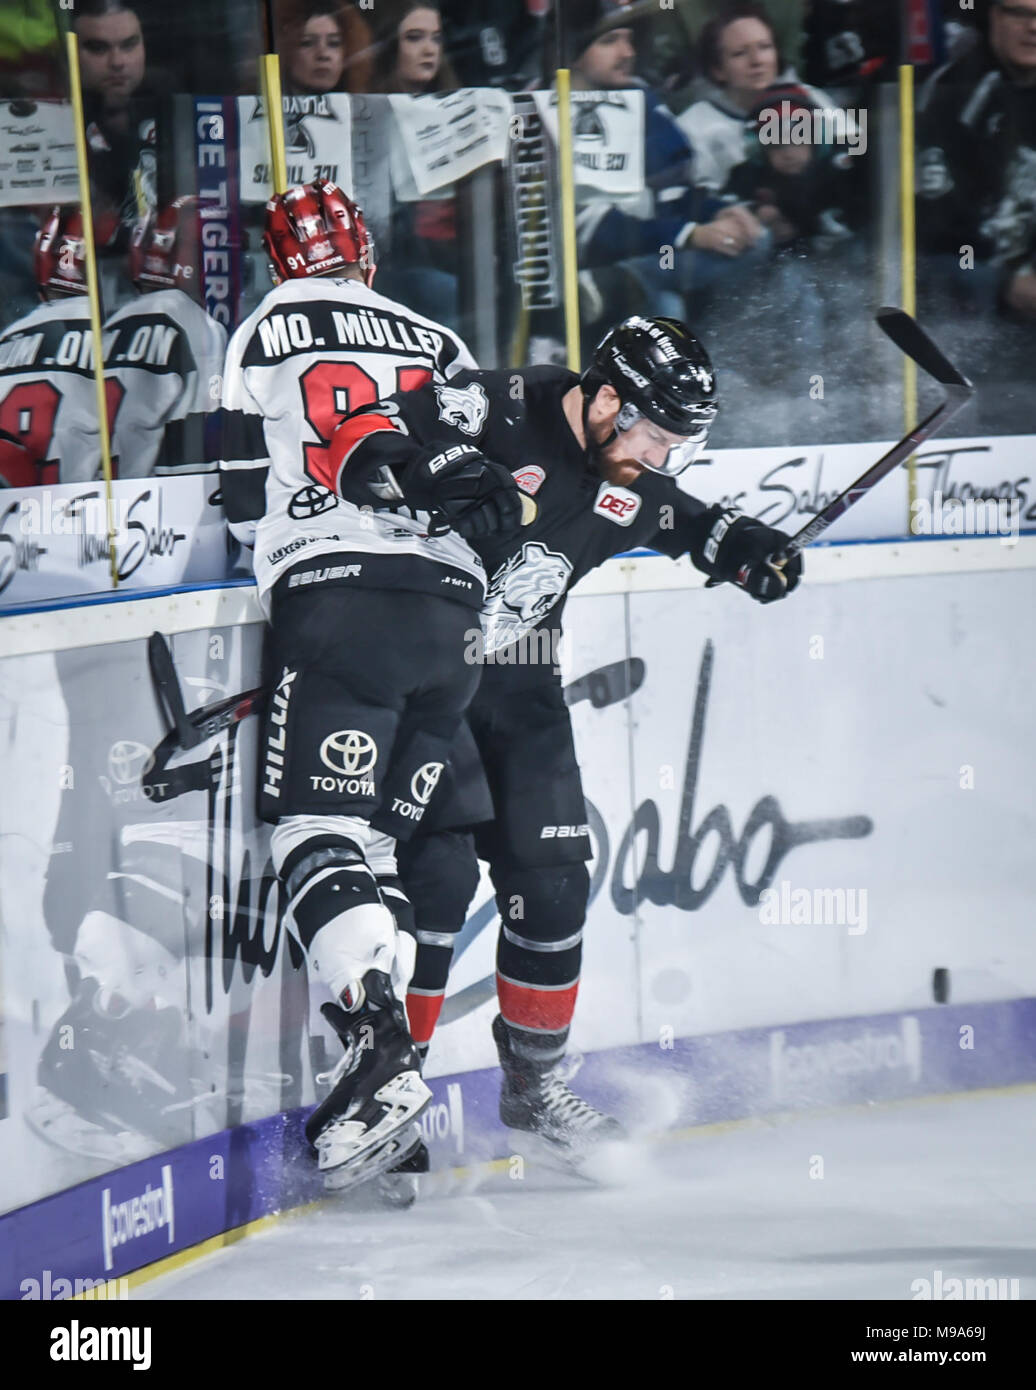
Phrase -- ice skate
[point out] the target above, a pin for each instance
(399, 1186)
(367, 1122)
(536, 1099)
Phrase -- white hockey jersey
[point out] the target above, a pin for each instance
(48, 401)
(163, 368)
(309, 354)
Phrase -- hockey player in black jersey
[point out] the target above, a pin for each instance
(369, 612)
(601, 453)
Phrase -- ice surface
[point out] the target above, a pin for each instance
(907, 1190)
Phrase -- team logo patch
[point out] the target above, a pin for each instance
(523, 591)
(466, 407)
(530, 478)
(618, 504)
(350, 752)
(424, 782)
(311, 501)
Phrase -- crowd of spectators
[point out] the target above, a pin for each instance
(760, 244)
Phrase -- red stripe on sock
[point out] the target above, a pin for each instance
(546, 1009)
(423, 1012)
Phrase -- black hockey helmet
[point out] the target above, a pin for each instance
(658, 366)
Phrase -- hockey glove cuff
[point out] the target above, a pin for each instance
(740, 550)
(464, 492)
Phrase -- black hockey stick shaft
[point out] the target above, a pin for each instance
(167, 683)
(911, 339)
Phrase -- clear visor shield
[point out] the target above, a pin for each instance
(660, 450)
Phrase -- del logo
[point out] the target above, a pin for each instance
(530, 479)
(618, 504)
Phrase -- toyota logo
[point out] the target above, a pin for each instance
(127, 760)
(311, 501)
(349, 751)
(424, 782)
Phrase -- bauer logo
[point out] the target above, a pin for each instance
(861, 1063)
(138, 1216)
(618, 504)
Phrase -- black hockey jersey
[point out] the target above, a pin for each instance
(516, 418)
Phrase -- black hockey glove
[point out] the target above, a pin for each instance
(740, 550)
(464, 492)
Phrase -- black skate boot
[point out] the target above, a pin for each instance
(367, 1123)
(535, 1098)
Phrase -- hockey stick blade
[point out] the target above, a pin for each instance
(911, 339)
(167, 684)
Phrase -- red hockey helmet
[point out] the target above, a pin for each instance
(163, 252)
(60, 253)
(314, 229)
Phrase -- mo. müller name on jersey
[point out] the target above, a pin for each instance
(318, 326)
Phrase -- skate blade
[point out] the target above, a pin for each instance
(372, 1164)
(397, 1190)
(600, 1164)
(348, 1146)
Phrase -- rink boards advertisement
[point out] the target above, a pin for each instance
(54, 541)
(787, 909)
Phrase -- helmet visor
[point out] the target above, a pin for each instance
(661, 450)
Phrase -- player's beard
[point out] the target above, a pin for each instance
(608, 462)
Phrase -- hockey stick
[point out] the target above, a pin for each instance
(910, 338)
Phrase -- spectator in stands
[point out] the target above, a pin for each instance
(648, 250)
(802, 192)
(976, 211)
(976, 160)
(325, 46)
(422, 269)
(120, 100)
(740, 56)
(410, 56)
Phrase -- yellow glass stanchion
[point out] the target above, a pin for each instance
(275, 121)
(568, 219)
(908, 256)
(93, 291)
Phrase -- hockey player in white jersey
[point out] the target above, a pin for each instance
(48, 402)
(163, 353)
(163, 361)
(370, 613)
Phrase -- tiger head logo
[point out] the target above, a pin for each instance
(464, 407)
(523, 591)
